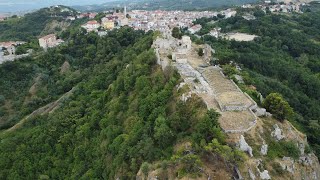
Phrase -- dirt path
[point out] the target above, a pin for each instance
(47, 109)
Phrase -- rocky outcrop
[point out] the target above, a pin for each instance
(277, 133)
(306, 160)
(301, 147)
(287, 164)
(265, 175)
(186, 96)
(260, 112)
(244, 146)
(251, 175)
(239, 176)
(264, 149)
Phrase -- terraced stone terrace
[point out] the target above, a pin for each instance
(228, 95)
(236, 116)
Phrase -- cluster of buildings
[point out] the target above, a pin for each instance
(9, 48)
(88, 15)
(278, 7)
(162, 21)
(284, 8)
(165, 20)
(109, 22)
(91, 26)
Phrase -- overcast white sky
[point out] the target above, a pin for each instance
(22, 5)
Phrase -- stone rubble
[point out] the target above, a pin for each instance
(306, 160)
(277, 133)
(287, 164)
(251, 175)
(260, 112)
(186, 96)
(264, 149)
(265, 175)
(301, 148)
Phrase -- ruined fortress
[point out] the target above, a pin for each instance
(208, 82)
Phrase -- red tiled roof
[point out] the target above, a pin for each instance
(7, 44)
(92, 22)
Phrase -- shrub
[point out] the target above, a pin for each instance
(283, 149)
(277, 168)
(145, 168)
(279, 107)
(200, 52)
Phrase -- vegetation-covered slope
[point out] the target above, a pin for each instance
(125, 111)
(31, 25)
(284, 58)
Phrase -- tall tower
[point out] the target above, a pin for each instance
(125, 11)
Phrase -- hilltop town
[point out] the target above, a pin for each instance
(158, 20)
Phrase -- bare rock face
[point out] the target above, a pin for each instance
(238, 174)
(186, 96)
(301, 148)
(264, 149)
(265, 175)
(277, 133)
(306, 160)
(251, 175)
(244, 146)
(287, 164)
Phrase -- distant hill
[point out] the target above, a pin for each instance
(164, 4)
(32, 24)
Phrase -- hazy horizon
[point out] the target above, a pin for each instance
(11, 6)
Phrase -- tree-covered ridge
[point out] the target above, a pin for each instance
(125, 113)
(33, 82)
(30, 26)
(284, 58)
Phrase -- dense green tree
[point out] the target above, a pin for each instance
(176, 33)
(162, 132)
(200, 52)
(279, 107)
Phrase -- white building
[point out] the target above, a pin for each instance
(91, 26)
(195, 29)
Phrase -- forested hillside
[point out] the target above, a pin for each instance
(124, 113)
(284, 58)
(31, 25)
